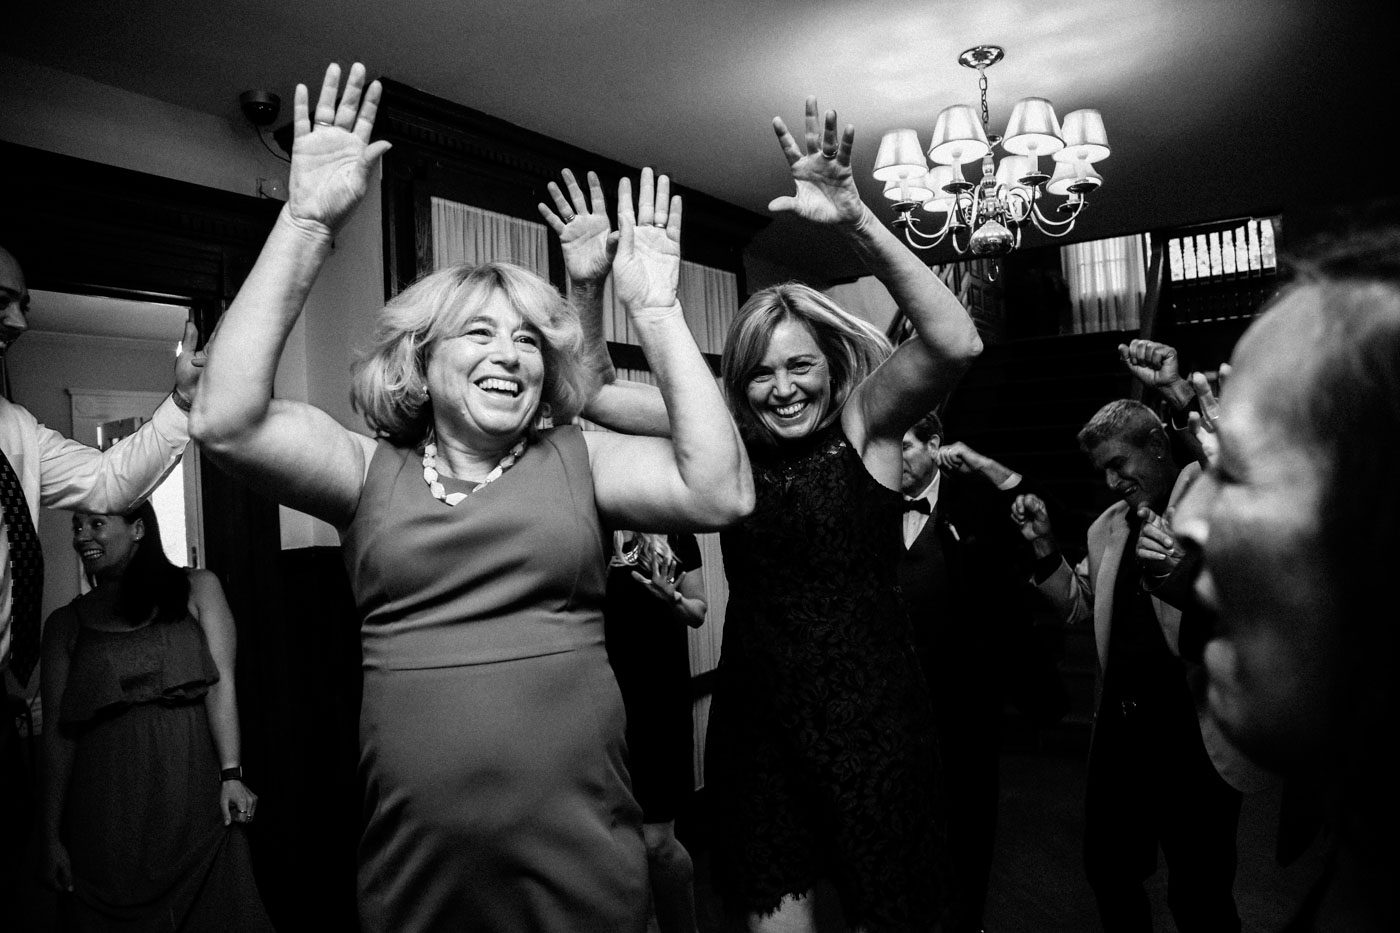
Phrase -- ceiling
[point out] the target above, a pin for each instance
(1214, 109)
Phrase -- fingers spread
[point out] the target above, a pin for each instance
(325, 105)
(301, 120)
(349, 108)
(646, 194)
(369, 109)
(673, 219)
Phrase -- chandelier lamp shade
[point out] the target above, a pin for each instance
(985, 217)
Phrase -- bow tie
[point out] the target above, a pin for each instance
(918, 505)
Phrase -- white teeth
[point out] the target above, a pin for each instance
(788, 411)
(499, 385)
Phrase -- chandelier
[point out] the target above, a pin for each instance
(985, 217)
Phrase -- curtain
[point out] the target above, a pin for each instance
(465, 234)
(709, 298)
(1107, 280)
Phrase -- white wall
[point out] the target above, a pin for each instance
(50, 109)
(43, 368)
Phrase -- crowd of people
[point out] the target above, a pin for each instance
(525, 586)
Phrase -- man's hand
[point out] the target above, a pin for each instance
(1154, 364)
(189, 365)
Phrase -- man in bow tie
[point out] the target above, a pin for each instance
(963, 578)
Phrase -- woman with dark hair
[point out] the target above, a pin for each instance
(144, 800)
(821, 758)
(491, 728)
(1295, 526)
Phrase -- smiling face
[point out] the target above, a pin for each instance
(487, 383)
(1137, 475)
(1255, 517)
(14, 301)
(789, 390)
(106, 543)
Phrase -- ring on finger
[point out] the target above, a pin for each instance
(568, 215)
(830, 155)
(324, 123)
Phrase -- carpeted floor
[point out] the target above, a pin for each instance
(1038, 882)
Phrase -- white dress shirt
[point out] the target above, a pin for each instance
(914, 521)
(59, 473)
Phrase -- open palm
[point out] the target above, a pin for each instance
(585, 237)
(826, 187)
(646, 270)
(332, 158)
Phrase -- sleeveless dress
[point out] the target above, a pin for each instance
(821, 756)
(141, 819)
(491, 728)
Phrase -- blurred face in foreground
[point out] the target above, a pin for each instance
(1256, 518)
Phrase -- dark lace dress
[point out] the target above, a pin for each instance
(821, 756)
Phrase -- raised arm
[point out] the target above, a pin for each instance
(589, 245)
(210, 608)
(76, 476)
(296, 453)
(922, 371)
(700, 478)
(961, 458)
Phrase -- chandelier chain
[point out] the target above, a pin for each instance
(982, 85)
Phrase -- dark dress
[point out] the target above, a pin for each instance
(650, 654)
(141, 819)
(820, 751)
(491, 728)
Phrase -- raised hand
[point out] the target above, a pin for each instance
(826, 188)
(1202, 423)
(332, 157)
(585, 234)
(189, 365)
(647, 267)
(1031, 516)
(1152, 363)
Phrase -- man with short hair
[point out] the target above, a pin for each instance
(1152, 777)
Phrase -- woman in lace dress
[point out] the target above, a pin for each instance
(821, 759)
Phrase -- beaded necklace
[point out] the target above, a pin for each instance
(430, 473)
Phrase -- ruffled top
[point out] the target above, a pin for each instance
(109, 671)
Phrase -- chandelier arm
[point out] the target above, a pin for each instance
(1043, 223)
(913, 226)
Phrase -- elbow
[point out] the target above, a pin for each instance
(731, 505)
(214, 433)
(969, 349)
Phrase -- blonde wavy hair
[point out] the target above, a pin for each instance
(389, 377)
(853, 348)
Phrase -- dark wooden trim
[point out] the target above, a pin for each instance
(450, 150)
(88, 228)
(630, 356)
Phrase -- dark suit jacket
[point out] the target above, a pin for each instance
(973, 632)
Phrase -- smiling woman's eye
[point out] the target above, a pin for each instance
(761, 378)
(527, 338)
(800, 368)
